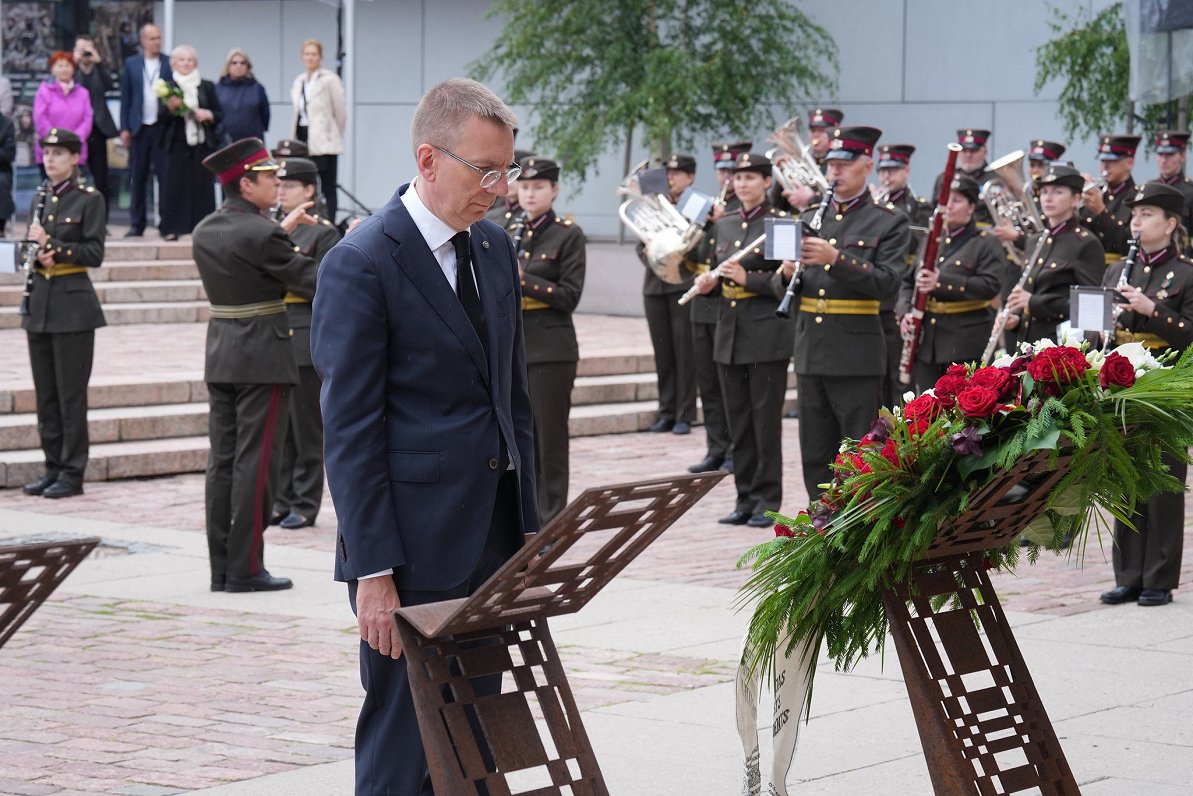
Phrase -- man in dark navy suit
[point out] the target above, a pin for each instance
(417, 335)
(139, 129)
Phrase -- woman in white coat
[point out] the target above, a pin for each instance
(320, 117)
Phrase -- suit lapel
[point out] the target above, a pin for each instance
(422, 269)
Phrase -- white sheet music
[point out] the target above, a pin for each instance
(8, 256)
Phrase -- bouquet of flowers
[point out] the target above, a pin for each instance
(165, 90)
(823, 575)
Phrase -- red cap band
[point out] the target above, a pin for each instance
(234, 173)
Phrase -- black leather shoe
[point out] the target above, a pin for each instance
(135, 233)
(681, 428)
(706, 465)
(1155, 597)
(61, 489)
(277, 517)
(1120, 594)
(218, 582)
(39, 486)
(792, 413)
(170, 236)
(735, 518)
(292, 521)
(759, 521)
(661, 425)
(262, 581)
(727, 465)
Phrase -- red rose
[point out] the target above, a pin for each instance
(977, 401)
(1057, 366)
(918, 427)
(957, 369)
(947, 387)
(783, 530)
(890, 453)
(852, 461)
(925, 407)
(1117, 371)
(996, 379)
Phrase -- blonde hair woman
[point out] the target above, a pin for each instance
(320, 117)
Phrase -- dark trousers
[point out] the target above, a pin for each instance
(670, 328)
(328, 179)
(1150, 558)
(144, 155)
(892, 388)
(712, 397)
(61, 364)
(97, 162)
(389, 749)
(246, 424)
(754, 400)
(550, 385)
(300, 485)
(189, 192)
(830, 409)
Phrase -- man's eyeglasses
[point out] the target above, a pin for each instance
(489, 178)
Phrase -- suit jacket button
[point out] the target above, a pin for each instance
(492, 464)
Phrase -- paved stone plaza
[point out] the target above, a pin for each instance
(135, 679)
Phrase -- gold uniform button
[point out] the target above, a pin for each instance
(55, 199)
(832, 241)
(733, 304)
(50, 217)
(819, 319)
(291, 332)
(821, 293)
(744, 225)
(932, 321)
(839, 216)
(737, 243)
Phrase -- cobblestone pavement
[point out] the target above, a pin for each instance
(153, 697)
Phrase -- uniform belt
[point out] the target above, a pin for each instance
(233, 311)
(1110, 258)
(700, 268)
(62, 269)
(292, 298)
(955, 307)
(735, 293)
(838, 306)
(529, 303)
(1148, 339)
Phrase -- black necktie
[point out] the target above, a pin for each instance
(466, 289)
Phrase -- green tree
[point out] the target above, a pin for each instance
(596, 70)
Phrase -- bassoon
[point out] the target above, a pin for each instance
(911, 342)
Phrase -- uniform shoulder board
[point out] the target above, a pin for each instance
(90, 189)
(1082, 232)
(887, 206)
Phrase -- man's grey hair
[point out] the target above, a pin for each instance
(443, 110)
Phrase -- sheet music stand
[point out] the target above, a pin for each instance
(29, 573)
(981, 723)
(502, 628)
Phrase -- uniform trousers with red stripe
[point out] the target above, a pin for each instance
(247, 431)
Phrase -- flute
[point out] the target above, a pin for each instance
(694, 291)
(1000, 322)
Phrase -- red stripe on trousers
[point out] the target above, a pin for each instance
(271, 421)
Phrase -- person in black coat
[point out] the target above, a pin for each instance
(187, 137)
(94, 76)
(243, 100)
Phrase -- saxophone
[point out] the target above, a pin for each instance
(30, 248)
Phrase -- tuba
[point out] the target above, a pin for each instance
(666, 234)
(799, 167)
(1006, 197)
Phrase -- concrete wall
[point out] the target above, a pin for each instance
(918, 69)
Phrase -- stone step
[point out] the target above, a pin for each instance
(128, 271)
(124, 314)
(151, 249)
(112, 460)
(114, 424)
(131, 292)
(117, 392)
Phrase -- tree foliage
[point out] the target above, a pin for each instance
(595, 70)
(1090, 56)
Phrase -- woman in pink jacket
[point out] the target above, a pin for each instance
(61, 103)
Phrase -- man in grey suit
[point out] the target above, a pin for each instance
(428, 444)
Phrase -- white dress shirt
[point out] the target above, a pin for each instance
(151, 70)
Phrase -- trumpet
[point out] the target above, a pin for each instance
(694, 291)
(799, 167)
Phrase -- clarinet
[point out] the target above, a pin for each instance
(796, 283)
(1124, 279)
(31, 249)
(519, 231)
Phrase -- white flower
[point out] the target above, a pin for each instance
(909, 396)
(1039, 346)
(1002, 361)
(1072, 337)
(1095, 358)
(1141, 359)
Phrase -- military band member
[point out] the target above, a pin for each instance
(670, 325)
(63, 312)
(1071, 255)
(855, 261)
(972, 162)
(1171, 146)
(248, 264)
(894, 168)
(959, 313)
(505, 210)
(1039, 154)
(551, 261)
(705, 311)
(1158, 314)
(300, 488)
(1106, 212)
(822, 123)
(752, 346)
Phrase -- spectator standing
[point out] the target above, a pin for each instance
(94, 76)
(320, 116)
(242, 98)
(6, 105)
(8, 153)
(188, 124)
(61, 104)
(139, 129)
